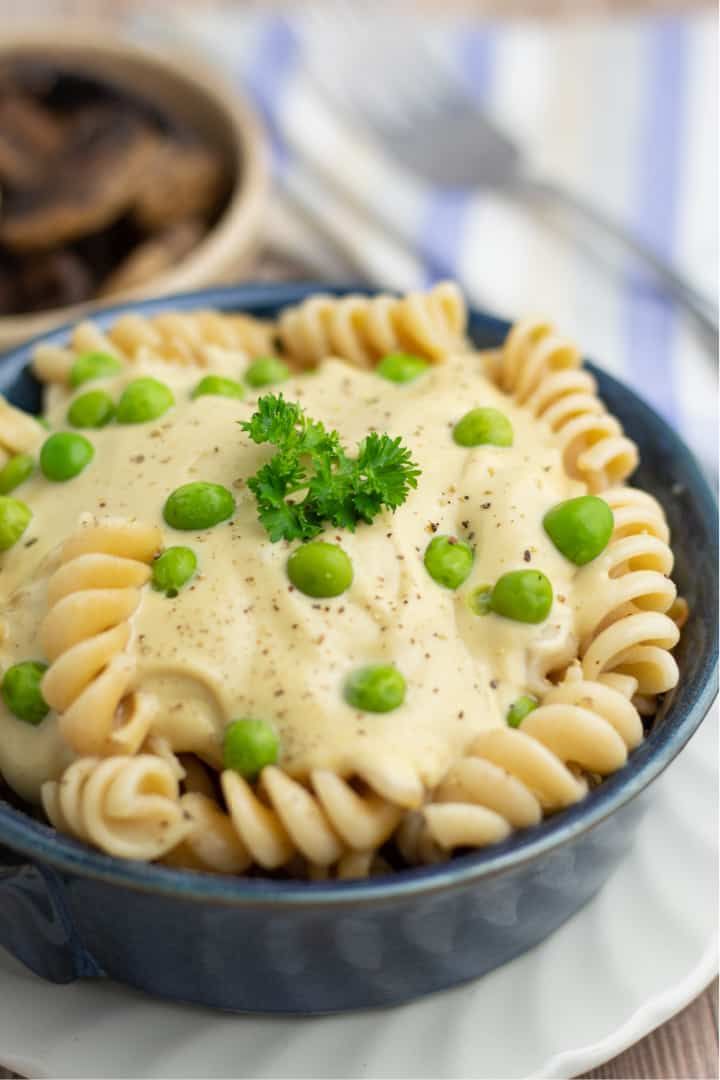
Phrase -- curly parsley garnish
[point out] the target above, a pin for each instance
(339, 490)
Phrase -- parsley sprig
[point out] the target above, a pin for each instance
(339, 490)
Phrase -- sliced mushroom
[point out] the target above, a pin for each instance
(94, 182)
(154, 257)
(29, 138)
(53, 279)
(185, 180)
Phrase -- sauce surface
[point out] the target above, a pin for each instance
(240, 641)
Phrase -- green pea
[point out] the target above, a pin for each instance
(580, 528)
(523, 595)
(15, 517)
(44, 422)
(198, 505)
(65, 455)
(248, 746)
(483, 427)
(143, 400)
(401, 367)
(220, 386)
(448, 561)
(173, 569)
(480, 600)
(93, 409)
(266, 370)
(94, 365)
(15, 472)
(520, 709)
(21, 691)
(320, 569)
(379, 688)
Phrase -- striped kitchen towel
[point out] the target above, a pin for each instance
(620, 110)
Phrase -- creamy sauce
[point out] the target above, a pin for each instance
(239, 641)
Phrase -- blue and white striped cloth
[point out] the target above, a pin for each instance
(623, 111)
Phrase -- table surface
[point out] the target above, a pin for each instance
(687, 1045)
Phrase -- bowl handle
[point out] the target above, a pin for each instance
(35, 924)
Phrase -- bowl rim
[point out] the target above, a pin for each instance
(29, 837)
(233, 233)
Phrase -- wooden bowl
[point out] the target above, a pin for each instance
(184, 86)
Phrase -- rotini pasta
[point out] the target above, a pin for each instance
(406, 714)
(19, 433)
(624, 623)
(361, 329)
(543, 373)
(320, 824)
(127, 806)
(92, 597)
(211, 843)
(194, 339)
(183, 338)
(509, 778)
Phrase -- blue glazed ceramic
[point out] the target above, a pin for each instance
(269, 946)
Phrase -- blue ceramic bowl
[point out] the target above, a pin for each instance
(258, 945)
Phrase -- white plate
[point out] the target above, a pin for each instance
(635, 955)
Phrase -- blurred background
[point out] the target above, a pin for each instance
(528, 149)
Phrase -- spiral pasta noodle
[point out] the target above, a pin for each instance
(324, 830)
(53, 363)
(92, 597)
(126, 806)
(361, 329)
(511, 777)
(211, 843)
(627, 628)
(284, 817)
(543, 373)
(184, 338)
(192, 338)
(19, 432)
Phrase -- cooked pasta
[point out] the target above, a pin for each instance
(543, 373)
(86, 632)
(509, 778)
(127, 806)
(362, 329)
(211, 842)
(19, 433)
(183, 337)
(625, 626)
(189, 677)
(320, 824)
(195, 339)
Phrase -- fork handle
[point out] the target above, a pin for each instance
(699, 305)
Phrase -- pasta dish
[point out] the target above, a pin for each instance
(322, 597)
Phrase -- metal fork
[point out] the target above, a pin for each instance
(426, 122)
